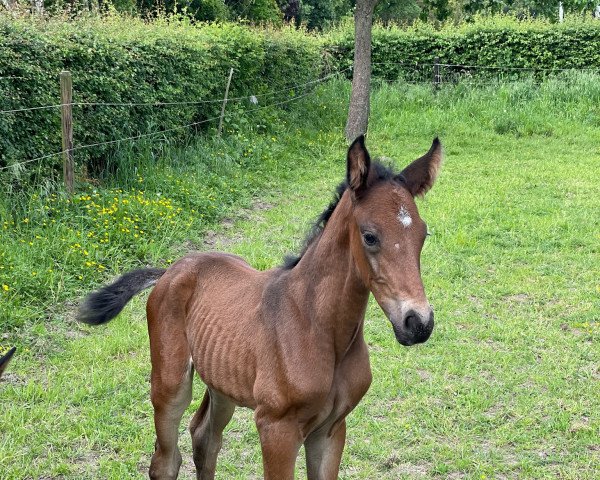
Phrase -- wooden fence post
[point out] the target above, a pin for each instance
(561, 12)
(437, 79)
(37, 7)
(66, 115)
(224, 103)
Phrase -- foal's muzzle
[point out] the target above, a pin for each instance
(413, 327)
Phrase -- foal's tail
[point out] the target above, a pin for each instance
(5, 359)
(105, 304)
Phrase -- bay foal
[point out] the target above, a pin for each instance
(288, 342)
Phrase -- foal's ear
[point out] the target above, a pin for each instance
(358, 165)
(420, 175)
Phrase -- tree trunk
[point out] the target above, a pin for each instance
(358, 112)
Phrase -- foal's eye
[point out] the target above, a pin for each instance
(370, 239)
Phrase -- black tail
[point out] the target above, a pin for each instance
(105, 304)
(5, 359)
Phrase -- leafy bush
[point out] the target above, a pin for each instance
(125, 60)
(492, 42)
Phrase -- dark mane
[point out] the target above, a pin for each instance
(382, 172)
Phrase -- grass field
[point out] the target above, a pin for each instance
(508, 386)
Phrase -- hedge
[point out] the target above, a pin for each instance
(125, 60)
(491, 42)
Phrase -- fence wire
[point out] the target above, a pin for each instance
(157, 133)
(413, 73)
(255, 95)
(435, 74)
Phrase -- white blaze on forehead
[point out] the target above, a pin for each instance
(404, 217)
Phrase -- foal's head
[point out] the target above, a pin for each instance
(389, 234)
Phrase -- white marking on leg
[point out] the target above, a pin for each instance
(404, 217)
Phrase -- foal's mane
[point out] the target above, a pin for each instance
(382, 173)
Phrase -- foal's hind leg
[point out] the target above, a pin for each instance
(207, 432)
(171, 393)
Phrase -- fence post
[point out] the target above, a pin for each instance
(561, 12)
(37, 7)
(437, 79)
(66, 116)
(224, 103)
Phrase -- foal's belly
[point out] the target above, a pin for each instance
(220, 327)
(224, 360)
(232, 363)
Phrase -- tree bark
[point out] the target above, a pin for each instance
(358, 112)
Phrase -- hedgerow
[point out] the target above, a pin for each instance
(119, 59)
(488, 42)
(125, 60)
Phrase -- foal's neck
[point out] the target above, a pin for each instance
(338, 294)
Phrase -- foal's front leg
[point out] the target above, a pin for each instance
(280, 441)
(324, 449)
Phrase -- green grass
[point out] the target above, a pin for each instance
(508, 384)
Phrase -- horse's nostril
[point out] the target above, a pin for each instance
(411, 322)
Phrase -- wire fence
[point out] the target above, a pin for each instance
(435, 74)
(249, 97)
(293, 92)
(32, 109)
(415, 73)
